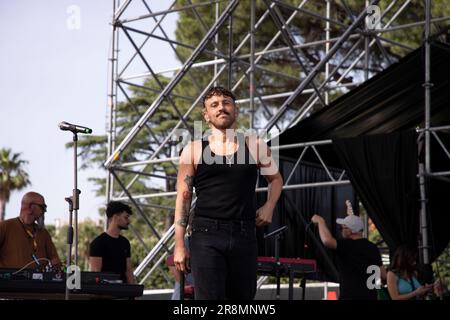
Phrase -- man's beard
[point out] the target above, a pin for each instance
(40, 222)
(123, 227)
(224, 125)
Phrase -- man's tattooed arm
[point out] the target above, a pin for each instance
(187, 198)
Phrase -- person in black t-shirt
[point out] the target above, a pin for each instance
(111, 252)
(354, 256)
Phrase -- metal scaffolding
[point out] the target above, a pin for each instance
(345, 62)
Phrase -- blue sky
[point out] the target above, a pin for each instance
(52, 73)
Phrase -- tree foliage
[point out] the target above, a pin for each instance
(13, 176)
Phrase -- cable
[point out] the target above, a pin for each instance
(24, 267)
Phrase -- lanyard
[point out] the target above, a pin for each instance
(31, 235)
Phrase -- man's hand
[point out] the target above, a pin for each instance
(264, 215)
(327, 239)
(316, 219)
(181, 259)
(349, 207)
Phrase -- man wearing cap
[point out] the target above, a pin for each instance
(354, 255)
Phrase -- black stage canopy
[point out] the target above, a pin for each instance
(391, 101)
(374, 140)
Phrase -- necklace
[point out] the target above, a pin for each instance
(229, 158)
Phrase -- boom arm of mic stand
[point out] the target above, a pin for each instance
(275, 232)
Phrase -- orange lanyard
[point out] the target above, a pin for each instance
(31, 235)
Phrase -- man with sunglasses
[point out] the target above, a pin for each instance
(24, 242)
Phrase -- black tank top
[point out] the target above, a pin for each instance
(226, 191)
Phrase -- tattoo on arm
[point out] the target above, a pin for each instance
(187, 197)
(189, 181)
(182, 222)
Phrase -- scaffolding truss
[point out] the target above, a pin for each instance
(346, 48)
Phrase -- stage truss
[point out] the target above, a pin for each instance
(346, 44)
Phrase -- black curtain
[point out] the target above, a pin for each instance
(439, 216)
(438, 191)
(383, 170)
(297, 206)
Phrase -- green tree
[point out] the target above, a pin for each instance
(88, 230)
(12, 177)
(441, 267)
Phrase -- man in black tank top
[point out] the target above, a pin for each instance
(223, 170)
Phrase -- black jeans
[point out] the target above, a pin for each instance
(223, 259)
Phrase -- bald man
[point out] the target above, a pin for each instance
(23, 240)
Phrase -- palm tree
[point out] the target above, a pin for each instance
(12, 176)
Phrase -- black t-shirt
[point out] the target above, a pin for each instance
(353, 258)
(114, 253)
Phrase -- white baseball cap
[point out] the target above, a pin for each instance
(352, 222)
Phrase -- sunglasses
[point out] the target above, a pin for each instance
(40, 205)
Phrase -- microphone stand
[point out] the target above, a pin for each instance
(75, 193)
(69, 243)
(73, 207)
(277, 233)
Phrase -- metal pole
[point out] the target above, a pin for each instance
(112, 103)
(75, 198)
(366, 49)
(69, 243)
(423, 216)
(366, 77)
(217, 44)
(230, 51)
(427, 85)
(252, 63)
(327, 45)
(327, 74)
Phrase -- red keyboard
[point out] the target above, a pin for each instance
(267, 265)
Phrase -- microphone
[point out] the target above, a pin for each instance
(65, 126)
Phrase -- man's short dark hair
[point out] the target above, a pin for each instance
(218, 91)
(117, 207)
